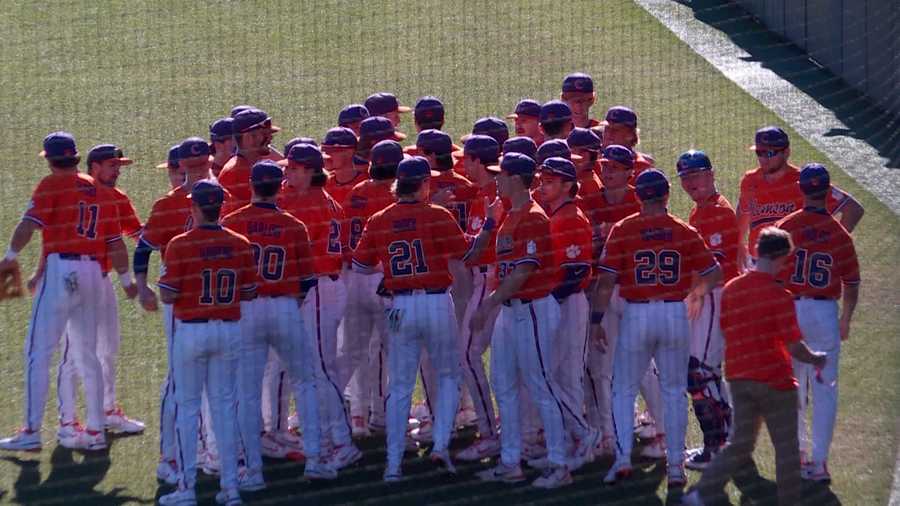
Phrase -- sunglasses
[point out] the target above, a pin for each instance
(768, 153)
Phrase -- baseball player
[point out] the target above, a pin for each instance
(253, 131)
(654, 256)
(526, 120)
(305, 198)
(585, 144)
(79, 224)
(174, 171)
(351, 117)
(280, 246)
(104, 162)
(386, 105)
(372, 130)
(268, 151)
(715, 220)
(416, 243)
(362, 358)
(572, 244)
(770, 192)
(170, 216)
(209, 271)
(549, 149)
(521, 346)
(578, 93)
(621, 127)
(222, 144)
(520, 144)
(823, 268)
(340, 145)
(489, 125)
(556, 120)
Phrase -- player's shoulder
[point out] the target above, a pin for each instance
(236, 237)
(751, 176)
(238, 214)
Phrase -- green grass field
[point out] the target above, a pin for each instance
(147, 74)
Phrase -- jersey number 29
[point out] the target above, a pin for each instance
(651, 268)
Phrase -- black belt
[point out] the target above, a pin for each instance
(76, 256)
(819, 297)
(333, 277)
(427, 291)
(483, 269)
(207, 320)
(648, 301)
(509, 302)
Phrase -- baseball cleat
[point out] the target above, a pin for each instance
(554, 477)
(167, 472)
(698, 458)
(22, 441)
(676, 476)
(423, 433)
(117, 422)
(180, 497)
(620, 471)
(68, 430)
(271, 447)
(503, 473)
(584, 449)
(606, 447)
(316, 469)
(442, 458)
(289, 439)
(89, 440)
(466, 417)
(655, 450)
(359, 426)
(481, 449)
(250, 480)
(817, 472)
(229, 497)
(343, 456)
(411, 446)
(392, 474)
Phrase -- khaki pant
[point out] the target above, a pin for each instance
(755, 402)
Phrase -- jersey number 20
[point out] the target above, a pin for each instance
(407, 256)
(218, 287)
(651, 268)
(270, 260)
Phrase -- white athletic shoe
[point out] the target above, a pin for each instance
(423, 433)
(466, 417)
(359, 426)
(180, 497)
(22, 441)
(229, 497)
(816, 471)
(655, 450)
(250, 480)
(692, 498)
(584, 450)
(343, 456)
(271, 448)
(167, 472)
(502, 473)
(85, 440)
(541, 463)
(554, 477)
(482, 449)
(117, 422)
(316, 469)
(533, 450)
(442, 458)
(676, 476)
(68, 430)
(619, 471)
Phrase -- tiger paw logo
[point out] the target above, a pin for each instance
(573, 251)
(477, 223)
(531, 247)
(715, 239)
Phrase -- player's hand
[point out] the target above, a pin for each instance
(598, 337)
(32, 283)
(819, 359)
(743, 258)
(442, 197)
(147, 298)
(694, 305)
(494, 209)
(844, 325)
(131, 291)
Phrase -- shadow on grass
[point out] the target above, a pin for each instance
(71, 480)
(865, 121)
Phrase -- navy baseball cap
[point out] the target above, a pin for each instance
(814, 179)
(221, 129)
(171, 160)
(526, 107)
(339, 137)
(621, 115)
(193, 147)
(484, 147)
(59, 145)
(560, 167)
(265, 171)
(298, 140)
(434, 141)
(771, 136)
(352, 113)
(555, 111)
(207, 192)
(490, 126)
(415, 167)
(382, 103)
(251, 119)
(239, 109)
(515, 164)
(377, 128)
(619, 154)
(386, 153)
(307, 154)
(651, 184)
(429, 110)
(583, 138)
(521, 144)
(558, 148)
(692, 161)
(103, 152)
(578, 82)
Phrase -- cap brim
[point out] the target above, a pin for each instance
(399, 136)
(512, 115)
(466, 137)
(124, 161)
(493, 168)
(43, 154)
(403, 108)
(164, 165)
(335, 147)
(576, 158)
(284, 162)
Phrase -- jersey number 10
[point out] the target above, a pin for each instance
(218, 288)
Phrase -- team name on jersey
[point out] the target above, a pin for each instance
(217, 252)
(771, 208)
(656, 234)
(404, 225)
(260, 228)
(357, 202)
(504, 244)
(87, 188)
(814, 235)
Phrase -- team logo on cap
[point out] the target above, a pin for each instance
(579, 84)
(195, 149)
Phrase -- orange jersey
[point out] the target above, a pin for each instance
(572, 235)
(642, 162)
(655, 257)
(171, 215)
(477, 217)
(324, 220)
(364, 200)
(718, 226)
(128, 222)
(823, 258)
(524, 238)
(75, 215)
(464, 193)
(766, 202)
(209, 267)
(280, 246)
(235, 177)
(414, 242)
(339, 191)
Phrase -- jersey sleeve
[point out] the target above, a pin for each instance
(612, 260)
(746, 195)
(248, 275)
(174, 262)
(701, 260)
(128, 218)
(365, 257)
(42, 203)
(837, 199)
(155, 228)
(847, 262)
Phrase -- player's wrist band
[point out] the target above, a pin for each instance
(10, 255)
(489, 224)
(596, 317)
(126, 280)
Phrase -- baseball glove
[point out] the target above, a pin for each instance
(10, 282)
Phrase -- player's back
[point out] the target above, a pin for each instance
(464, 191)
(323, 218)
(170, 216)
(363, 201)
